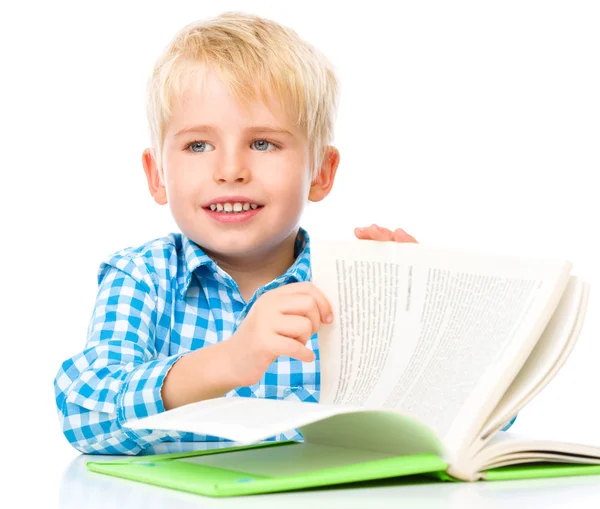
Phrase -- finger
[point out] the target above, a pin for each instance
(360, 233)
(306, 287)
(373, 232)
(401, 236)
(323, 304)
(381, 233)
(290, 348)
(298, 328)
(302, 305)
(366, 233)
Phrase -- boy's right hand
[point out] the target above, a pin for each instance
(280, 323)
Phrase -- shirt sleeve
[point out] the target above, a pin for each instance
(119, 374)
(510, 423)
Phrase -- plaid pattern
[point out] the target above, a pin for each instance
(154, 304)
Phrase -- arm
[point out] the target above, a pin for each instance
(119, 374)
(186, 383)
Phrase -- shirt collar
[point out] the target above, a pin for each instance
(194, 257)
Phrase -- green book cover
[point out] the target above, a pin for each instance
(285, 466)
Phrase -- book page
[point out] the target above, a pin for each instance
(434, 333)
(244, 420)
(546, 359)
(514, 448)
(251, 420)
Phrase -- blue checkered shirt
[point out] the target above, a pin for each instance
(154, 304)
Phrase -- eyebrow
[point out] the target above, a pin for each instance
(204, 128)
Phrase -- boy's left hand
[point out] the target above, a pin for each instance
(375, 232)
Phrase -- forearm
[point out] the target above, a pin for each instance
(203, 374)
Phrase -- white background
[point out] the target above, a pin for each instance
(468, 124)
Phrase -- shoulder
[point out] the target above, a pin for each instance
(148, 263)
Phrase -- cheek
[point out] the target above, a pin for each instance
(286, 177)
(287, 190)
(182, 187)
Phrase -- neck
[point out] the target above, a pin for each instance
(254, 270)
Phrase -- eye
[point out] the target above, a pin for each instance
(262, 144)
(198, 146)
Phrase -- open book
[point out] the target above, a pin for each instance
(431, 352)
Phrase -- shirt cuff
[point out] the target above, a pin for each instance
(140, 396)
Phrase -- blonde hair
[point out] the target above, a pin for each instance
(249, 52)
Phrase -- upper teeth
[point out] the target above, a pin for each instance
(232, 207)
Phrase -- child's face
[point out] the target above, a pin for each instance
(231, 159)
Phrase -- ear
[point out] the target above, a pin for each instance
(154, 177)
(323, 183)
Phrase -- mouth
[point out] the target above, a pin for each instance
(232, 207)
(232, 212)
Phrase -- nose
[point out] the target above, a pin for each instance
(233, 168)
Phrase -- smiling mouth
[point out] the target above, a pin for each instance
(233, 208)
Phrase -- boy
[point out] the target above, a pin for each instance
(241, 115)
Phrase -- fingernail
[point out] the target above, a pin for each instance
(329, 318)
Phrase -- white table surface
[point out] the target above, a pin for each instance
(81, 488)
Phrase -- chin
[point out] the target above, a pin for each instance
(232, 247)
